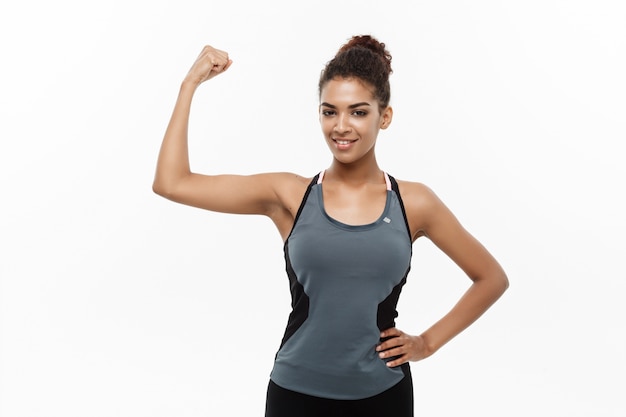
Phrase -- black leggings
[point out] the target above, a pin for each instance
(397, 401)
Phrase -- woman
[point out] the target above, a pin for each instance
(348, 233)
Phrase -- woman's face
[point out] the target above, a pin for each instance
(350, 118)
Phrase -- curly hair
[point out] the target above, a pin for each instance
(365, 58)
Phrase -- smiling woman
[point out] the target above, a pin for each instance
(348, 235)
(351, 118)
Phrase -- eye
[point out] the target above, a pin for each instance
(328, 112)
(359, 113)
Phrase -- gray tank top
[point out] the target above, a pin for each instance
(345, 282)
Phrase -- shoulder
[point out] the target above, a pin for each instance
(287, 181)
(289, 188)
(285, 187)
(421, 204)
(416, 194)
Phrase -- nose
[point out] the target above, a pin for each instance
(342, 126)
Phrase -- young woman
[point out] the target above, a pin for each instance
(348, 234)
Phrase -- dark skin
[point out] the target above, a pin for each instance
(354, 193)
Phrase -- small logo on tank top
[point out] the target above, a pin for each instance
(387, 220)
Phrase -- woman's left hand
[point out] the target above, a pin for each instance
(402, 347)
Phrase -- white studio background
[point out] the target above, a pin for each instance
(116, 302)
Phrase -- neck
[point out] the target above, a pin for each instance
(355, 174)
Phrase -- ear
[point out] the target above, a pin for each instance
(385, 117)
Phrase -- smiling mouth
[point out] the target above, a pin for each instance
(344, 141)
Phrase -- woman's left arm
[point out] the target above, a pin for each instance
(428, 216)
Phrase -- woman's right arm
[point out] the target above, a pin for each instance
(252, 194)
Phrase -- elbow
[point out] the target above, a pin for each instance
(156, 189)
(498, 278)
(503, 282)
(168, 184)
(497, 282)
(159, 188)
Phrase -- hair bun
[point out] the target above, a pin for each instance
(365, 58)
(368, 42)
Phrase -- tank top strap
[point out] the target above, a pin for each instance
(387, 181)
(396, 189)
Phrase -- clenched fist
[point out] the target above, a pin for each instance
(210, 62)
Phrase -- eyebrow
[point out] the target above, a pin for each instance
(351, 106)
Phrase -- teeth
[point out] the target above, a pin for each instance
(344, 142)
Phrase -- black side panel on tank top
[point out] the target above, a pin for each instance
(299, 299)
